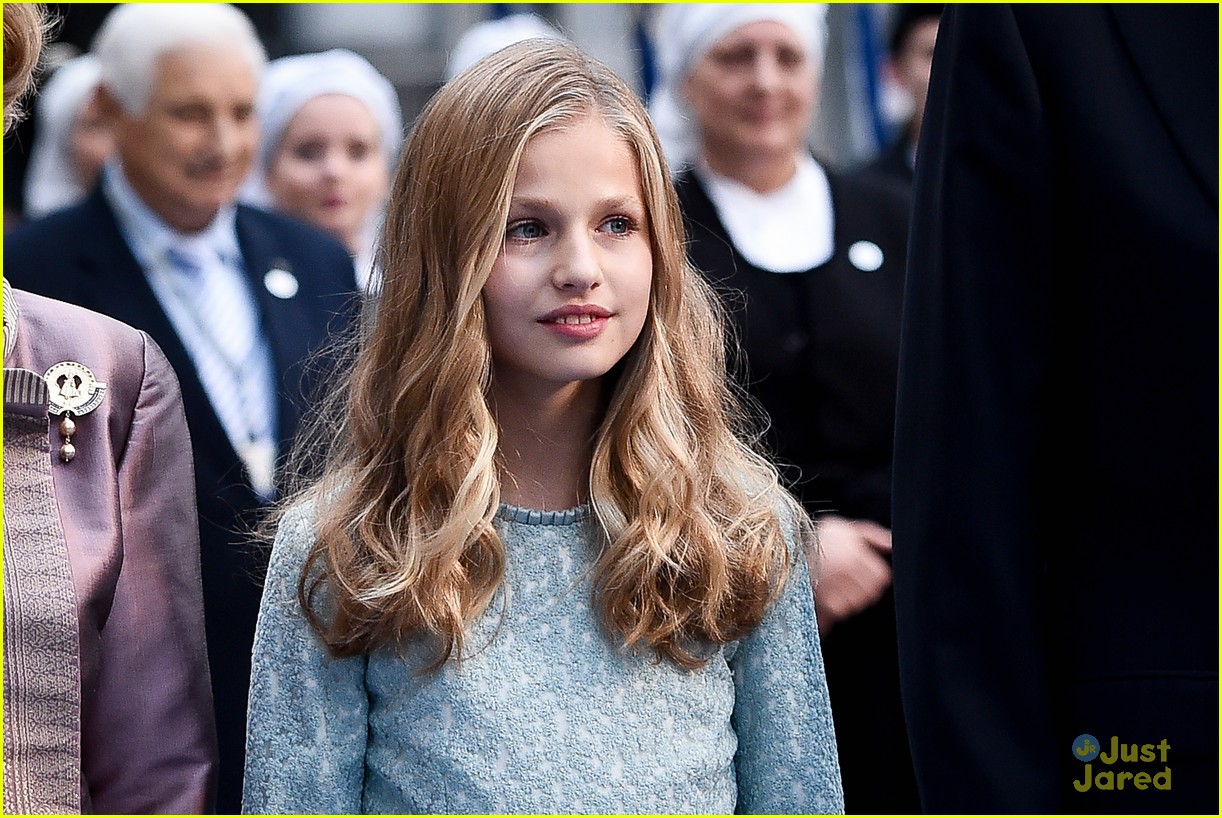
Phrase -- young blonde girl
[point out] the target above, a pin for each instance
(545, 568)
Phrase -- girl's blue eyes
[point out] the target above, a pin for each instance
(525, 230)
(618, 225)
(529, 230)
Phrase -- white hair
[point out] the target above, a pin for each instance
(136, 35)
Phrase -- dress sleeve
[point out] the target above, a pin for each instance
(149, 742)
(786, 761)
(308, 715)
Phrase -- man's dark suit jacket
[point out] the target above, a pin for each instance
(1056, 471)
(79, 255)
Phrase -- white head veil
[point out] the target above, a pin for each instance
(484, 38)
(291, 82)
(684, 32)
(50, 181)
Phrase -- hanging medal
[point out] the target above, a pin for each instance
(74, 392)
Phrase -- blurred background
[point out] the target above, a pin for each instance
(859, 111)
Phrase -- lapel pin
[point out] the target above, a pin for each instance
(281, 283)
(74, 392)
(866, 256)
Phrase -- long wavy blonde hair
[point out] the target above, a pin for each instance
(692, 519)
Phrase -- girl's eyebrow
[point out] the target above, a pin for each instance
(623, 203)
(615, 202)
(532, 202)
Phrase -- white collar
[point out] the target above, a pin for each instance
(788, 230)
(147, 233)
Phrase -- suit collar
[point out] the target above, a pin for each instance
(284, 312)
(119, 288)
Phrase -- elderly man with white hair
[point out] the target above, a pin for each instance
(237, 298)
(813, 260)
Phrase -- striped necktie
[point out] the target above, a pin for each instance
(231, 362)
(222, 313)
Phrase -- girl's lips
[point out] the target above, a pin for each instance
(580, 321)
(582, 328)
(569, 312)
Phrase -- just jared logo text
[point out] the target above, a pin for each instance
(1121, 766)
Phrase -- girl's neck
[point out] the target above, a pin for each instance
(763, 173)
(546, 442)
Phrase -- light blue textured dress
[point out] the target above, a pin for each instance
(544, 714)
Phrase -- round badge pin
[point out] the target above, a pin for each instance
(281, 283)
(73, 388)
(73, 392)
(866, 256)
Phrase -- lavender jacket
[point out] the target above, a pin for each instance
(127, 520)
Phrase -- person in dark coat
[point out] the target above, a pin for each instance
(811, 263)
(1056, 468)
(238, 299)
(909, 56)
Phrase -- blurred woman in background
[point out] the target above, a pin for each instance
(72, 141)
(811, 263)
(332, 129)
